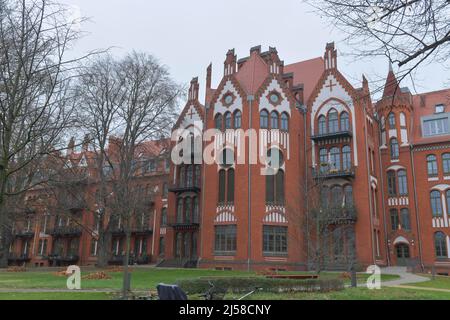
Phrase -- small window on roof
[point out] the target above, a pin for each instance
(439, 108)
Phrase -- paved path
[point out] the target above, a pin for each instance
(405, 277)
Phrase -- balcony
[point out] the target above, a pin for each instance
(23, 234)
(330, 173)
(60, 232)
(63, 259)
(184, 188)
(184, 225)
(332, 135)
(141, 231)
(18, 258)
(118, 231)
(339, 216)
(116, 260)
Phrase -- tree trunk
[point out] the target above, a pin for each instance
(104, 243)
(126, 283)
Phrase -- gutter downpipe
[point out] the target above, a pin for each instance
(416, 206)
(388, 256)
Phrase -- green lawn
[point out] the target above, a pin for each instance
(144, 279)
(357, 294)
(55, 296)
(141, 278)
(440, 282)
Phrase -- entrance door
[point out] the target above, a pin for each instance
(402, 254)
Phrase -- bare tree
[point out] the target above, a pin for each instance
(35, 95)
(407, 32)
(328, 226)
(135, 100)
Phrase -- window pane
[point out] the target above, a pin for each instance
(275, 239)
(406, 223)
(230, 186)
(333, 125)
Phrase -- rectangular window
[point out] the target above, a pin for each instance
(225, 239)
(394, 219)
(434, 127)
(274, 240)
(94, 244)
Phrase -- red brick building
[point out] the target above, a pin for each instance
(383, 169)
(62, 228)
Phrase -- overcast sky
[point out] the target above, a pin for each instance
(188, 35)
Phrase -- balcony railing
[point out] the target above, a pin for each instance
(65, 232)
(70, 258)
(339, 215)
(14, 257)
(332, 135)
(182, 224)
(23, 234)
(184, 188)
(141, 230)
(328, 173)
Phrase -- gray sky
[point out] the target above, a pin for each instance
(188, 35)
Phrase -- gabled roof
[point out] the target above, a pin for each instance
(252, 74)
(306, 72)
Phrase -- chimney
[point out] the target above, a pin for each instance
(71, 146)
(330, 56)
(193, 89)
(230, 63)
(85, 147)
(298, 92)
(208, 76)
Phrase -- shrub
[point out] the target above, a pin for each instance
(241, 284)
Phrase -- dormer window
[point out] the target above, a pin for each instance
(439, 108)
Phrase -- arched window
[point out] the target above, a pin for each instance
(181, 177)
(270, 189)
(440, 245)
(230, 185)
(274, 120)
(432, 168)
(178, 242)
(323, 160)
(226, 159)
(446, 163)
(264, 119)
(333, 124)
(402, 183)
(284, 121)
(218, 121)
(227, 120)
(237, 119)
(392, 188)
(164, 216)
(406, 222)
(322, 125)
(180, 210)
(221, 186)
(394, 149)
(198, 176)
(348, 192)
(336, 196)
(335, 158)
(346, 158)
(436, 204)
(187, 210)
(391, 119)
(279, 186)
(345, 121)
(448, 201)
(275, 159)
(324, 194)
(275, 188)
(195, 217)
(190, 176)
(394, 219)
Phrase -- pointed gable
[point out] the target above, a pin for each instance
(252, 73)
